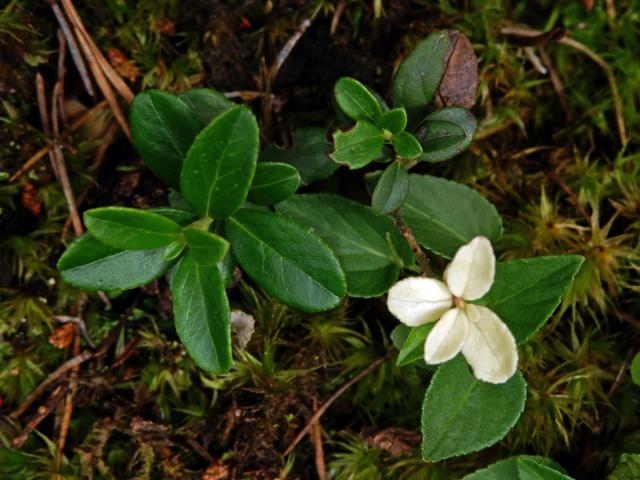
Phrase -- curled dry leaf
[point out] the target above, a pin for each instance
(217, 471)
(63, 335)
(460, 80)
(242, 325)
(29, 198)
(125, 67)
(395, 440)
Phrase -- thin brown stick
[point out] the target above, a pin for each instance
(114, 78)
(337, 14)
(288, 47)
(68, 406)
(316, 439)
(57, 373)
(41, 95)
(106, 142)
(323, 408)
(73, 48)
(421, 257)
(43, 412)
(62, 168)
(608, 71)
(558, 86)
(29, 164)
(86, 116)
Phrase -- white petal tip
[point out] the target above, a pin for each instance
(416, 300)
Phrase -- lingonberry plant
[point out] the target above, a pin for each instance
(231, 205)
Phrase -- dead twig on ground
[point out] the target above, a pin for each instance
(421, 257)
(43, 412)
(323, 408)
(316, 439)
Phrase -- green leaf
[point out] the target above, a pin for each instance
(391, 190)
(399, 335)
(355, 100)
(419, 75)
(163, 128)
(368, 246)
(628, 467)
(273, 183)
(445, 215)
(288, 261)
(461, 414)
(206, 103)
(635, 369)
(174, 250)
(201, 312)
(181, 217)
(413, 347)
(309, 154)
(526, 292)
(406, 145)
(207, 248)
(446, 133)
(394, 120)
(510, 469)
(91, 265)
(531, 469)
(130, 228)
(359, 146)
(220, 165)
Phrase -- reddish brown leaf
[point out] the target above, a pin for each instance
(164, 26)
(460, 80)
(216, 471)
(123, 65)
(29, 199)
(63, 335)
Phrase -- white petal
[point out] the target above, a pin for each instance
(470, 274)
(490, 348)
(416, 300)
(447, 337)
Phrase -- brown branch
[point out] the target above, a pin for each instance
(68, 406)
(43, 412)
(421, 257)
(323, 408)
(316, 439)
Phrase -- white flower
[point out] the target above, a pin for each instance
(477, 332)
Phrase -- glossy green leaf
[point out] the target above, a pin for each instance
(510, 469)
(220, 165)
(406, 145)
(201, 312)
(444, 215)
(289, 262)
(635, 369)
(419, 75)
(413, 347)
(130, 228)
(91, 265)
(628, 467)
(394, 120)
(163, 128)
(461, 414)
(359, 146)
(531, 469)
(526, 292)
(273, 183)
(355, 100)
(206, 103)
(181, 217)
(391, 190)
(207, 248)
(368, 246)
(446, 133)
(309, 154)
(174, 250)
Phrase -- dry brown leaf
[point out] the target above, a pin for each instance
(29, 198)
(123, 65)
(63, 335)
(460, 80)
(397, 441)
(216, 471)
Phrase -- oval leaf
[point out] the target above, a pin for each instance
(525, 292)
(163, 128)
(359, 146)
(461, 414)
(460, 80)
(206, 103)
(220, 165)
(419, 75)
(446, 133)
(273, 183)
(445, 215)
(130, 228)
(413, 347)
(181, 217)
(289, 262)
(355, 100)
(369, 247)
(394, 120)
(207, 248)
(91, 265)
(201, 312)
(406, 145)
(511, 469)
(309, 154)
(391, 190)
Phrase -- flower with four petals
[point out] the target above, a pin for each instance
(476, 331)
